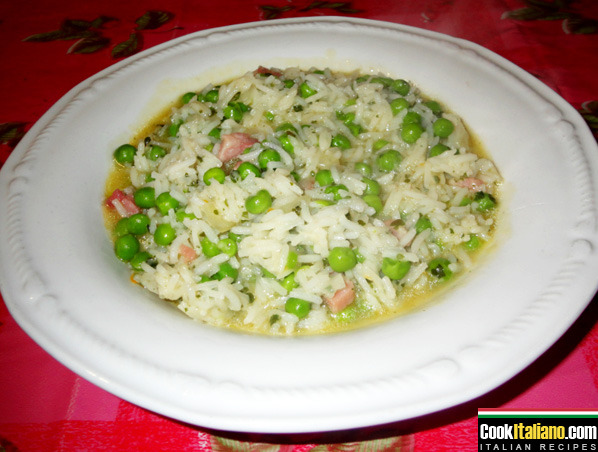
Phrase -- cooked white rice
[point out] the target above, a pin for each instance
(432, 207)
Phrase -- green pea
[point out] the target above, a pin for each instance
(306, 91)
(437, 149)
(211, 96)
(165, 202)
(342, 259)
(126, 247)
(473, 243)
(267, 156)
(324, 177)
(346, 118)
(400, 86)
(297, 306)
(287, 127)
(348, 315)
(209, 248)
(443, 127)
(434, 106)
(412, 117)
(140, 258)
(236, 237)
(340, 141)
(286, 144)
(410, 133)
(292, 260)
(335, 190)
(215, 173)
(243, 107)
(215, 133)
(228, 246)
(372, 187)
(186, 98)
(439, 267)
(181, 215)
(422, 224)
(173, 129)
(360, 257)
(155, 152)
(233, 112)
(355, 129)
(122, 227)
(289, 283)
(398, 105)
(269, 115)
(485, 201)
(247, 168)
(145, 197)
(363, 168)
(385, 81)
(389, 160)
(138, 223)
(379, 144)
(258, 203)
(226, 270)
(164, 234)
(289, 83)
(125, 153)
(374, 201)
(395, 268)
(465, 202)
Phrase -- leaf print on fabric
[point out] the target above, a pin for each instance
(589, 112)
(89, 44)
(341, 7)
(12, 132)
(91, 36)
(46, 37)
(580, 25)
(128, 47)
(392, 444)
(153, 19)
(573, 21)
(72, 29)
(7, 446)
(220, 444)
(274, 12)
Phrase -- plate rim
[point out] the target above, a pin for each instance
(20, 155)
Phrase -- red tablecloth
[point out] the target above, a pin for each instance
(48, 47)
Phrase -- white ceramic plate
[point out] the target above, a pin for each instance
(64, 286)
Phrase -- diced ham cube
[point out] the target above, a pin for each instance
(341, 298)
(265, 70)
(233, 144)
(123, 203)
(471, 183)
(187, 253)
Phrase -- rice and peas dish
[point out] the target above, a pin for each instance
(297, 202)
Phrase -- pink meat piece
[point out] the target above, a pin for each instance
(125, 200)
(341, 298)
(265, 70)
(471, 183)
(233, 144)
(187, 253)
